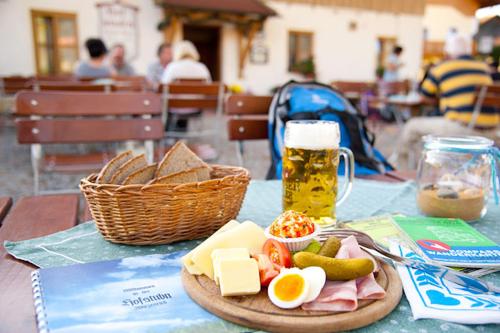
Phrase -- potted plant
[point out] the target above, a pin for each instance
(306, 68)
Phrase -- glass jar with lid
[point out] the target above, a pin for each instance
(454, 176)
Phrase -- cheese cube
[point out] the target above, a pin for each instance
(219, 255)
(246, 234)
(239, 277)
(187, 259)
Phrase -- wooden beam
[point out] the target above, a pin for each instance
(170, 31)
(412, 7)
(466, 7)
(245, 44)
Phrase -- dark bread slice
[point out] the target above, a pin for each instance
(202, 173)
(112, 166)
(178, 158)
(141, 176)
(128, 168)
(183, 177)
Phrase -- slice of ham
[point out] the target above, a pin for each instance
(368, 288)
(343, 295)
(355, 251)
(335, 296)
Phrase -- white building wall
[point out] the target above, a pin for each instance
(439, 19)
(339, 54)
(17, 55)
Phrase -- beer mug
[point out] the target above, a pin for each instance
(310, 163)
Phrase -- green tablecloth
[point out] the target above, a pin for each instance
(262, 204)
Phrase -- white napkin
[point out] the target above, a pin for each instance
(430, 296)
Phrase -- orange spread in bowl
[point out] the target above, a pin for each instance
(291, 224)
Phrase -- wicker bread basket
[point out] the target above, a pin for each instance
(161, 214)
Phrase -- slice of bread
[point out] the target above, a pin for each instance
(141, 176)
(112, 166)
(179, 158)
(128, 168)
(198, 174)
(183, 177)
(202, 173)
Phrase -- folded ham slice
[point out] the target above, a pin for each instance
(343, 295)
(335, 296)
(352, 247)
(368, 288)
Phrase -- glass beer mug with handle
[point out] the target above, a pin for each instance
(310, 163)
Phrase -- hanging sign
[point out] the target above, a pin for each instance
(118, 25)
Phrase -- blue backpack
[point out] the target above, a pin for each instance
(316, 101)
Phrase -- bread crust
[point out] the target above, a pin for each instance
(141, 176)
(177, 159)
(112, 166)
(128, 168)
(182, 177)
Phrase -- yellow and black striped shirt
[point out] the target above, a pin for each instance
(454, 82)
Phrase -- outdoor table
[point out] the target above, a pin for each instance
(43, 215)
(5, 203)
(402, 104)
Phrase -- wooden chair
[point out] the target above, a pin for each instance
(248, 119)
(486, 97)
(86, 117)
(193, 96)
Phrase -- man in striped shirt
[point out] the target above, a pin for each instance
(453, 82)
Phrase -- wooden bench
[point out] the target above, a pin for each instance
(5, 204)
(86, 117)
(29, 218)
(10, 85)
(71, 86)
(248, 118)
(191, 96)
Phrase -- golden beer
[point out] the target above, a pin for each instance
(310, 182)
(310, 163)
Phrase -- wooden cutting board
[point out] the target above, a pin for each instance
(258, 312)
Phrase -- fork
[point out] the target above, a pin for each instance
(449, 274)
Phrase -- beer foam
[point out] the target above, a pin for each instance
(312, 135)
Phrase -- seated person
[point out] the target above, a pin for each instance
(155, 70)
(119, 66)
(454, 82)
(186, 64)
(95, 66)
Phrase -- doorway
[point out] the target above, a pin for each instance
(207, 41)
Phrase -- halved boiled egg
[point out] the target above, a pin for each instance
(317, 278)
(294, 286)
(289, 289)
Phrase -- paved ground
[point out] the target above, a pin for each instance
(16, 178)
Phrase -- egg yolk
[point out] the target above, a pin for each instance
(289, 287)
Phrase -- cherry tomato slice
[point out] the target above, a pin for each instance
(267, 270)
(278, 253)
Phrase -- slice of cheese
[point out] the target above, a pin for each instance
(219, 255)
(186, 260)
(247, 234)
(239, 277)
